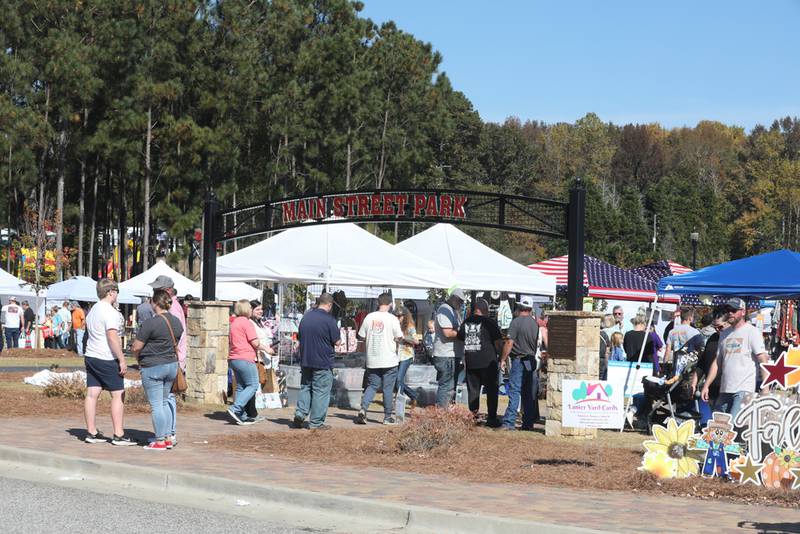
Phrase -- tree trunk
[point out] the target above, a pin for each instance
(92, 237)
(349, 161)
(81, 224)
(146, 218)
(382, 168)
(10, 202)
(40, 241)
(59, 222)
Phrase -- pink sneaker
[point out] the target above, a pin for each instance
(156, 446)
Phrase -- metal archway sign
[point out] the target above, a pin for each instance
(551, 218)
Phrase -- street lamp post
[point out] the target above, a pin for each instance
(695, 237)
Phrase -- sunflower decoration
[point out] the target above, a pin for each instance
(669, 455)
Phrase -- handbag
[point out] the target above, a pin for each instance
(262, 373)
(179, 385)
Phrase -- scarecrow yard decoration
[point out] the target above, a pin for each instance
(718, 440)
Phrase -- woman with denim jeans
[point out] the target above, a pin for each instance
(243, 343)
(405, 352)
(155, 350)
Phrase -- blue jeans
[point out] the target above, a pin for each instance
(401, 379)
(375, 378)
(445, 378)
(314, 396)
(157, 383)
(730, 403)
(246, 375)
(523, 382)
(79, 332)
(12, 338)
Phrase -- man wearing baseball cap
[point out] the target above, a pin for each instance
(520, 347)
(165, 282)
(740, 351)
(447, 350)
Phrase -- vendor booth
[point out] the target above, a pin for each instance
(337, 257)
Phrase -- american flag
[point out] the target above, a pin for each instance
(658, 270)
(601, 279)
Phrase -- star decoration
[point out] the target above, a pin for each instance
(749, 471)
(796, 473)
(777, 372)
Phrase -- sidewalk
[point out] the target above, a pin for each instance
(608, 511)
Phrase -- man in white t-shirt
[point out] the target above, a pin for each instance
(12, 321)
(381, 331)
(105, 364)
(739, 355)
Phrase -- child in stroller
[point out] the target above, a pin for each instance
(670, 395)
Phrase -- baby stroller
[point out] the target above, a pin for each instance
(672, 397)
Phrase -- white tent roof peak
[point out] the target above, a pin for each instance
(139, 284)
(335, 253)
(83, 288)
(473, 265)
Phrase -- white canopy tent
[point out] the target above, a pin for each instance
(84, 289)
(237, 290)
(341, 254)
(138, 285)
(359, 292)
(11, 286)
(473, 265)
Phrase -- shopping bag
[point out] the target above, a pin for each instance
(270, 384)
(267, 401)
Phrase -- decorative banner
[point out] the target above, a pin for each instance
(591, 404)
(620, 376)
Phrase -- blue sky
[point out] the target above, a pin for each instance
(675, 62)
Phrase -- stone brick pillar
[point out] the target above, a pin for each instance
(573, 353)
(207, 357)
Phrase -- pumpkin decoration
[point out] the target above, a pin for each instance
(777, 468)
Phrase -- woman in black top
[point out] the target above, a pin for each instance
(632, 342)
(154, 348)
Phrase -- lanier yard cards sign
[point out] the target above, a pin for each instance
(591, 404)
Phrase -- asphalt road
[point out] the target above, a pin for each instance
(32, 507)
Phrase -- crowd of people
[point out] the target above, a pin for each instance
(728, 348)
(470, 351)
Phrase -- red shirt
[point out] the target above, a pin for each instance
(242, 333)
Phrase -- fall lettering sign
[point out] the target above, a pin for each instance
(359, 205)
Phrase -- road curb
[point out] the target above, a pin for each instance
(401, 517)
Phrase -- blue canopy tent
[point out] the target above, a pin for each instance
(771, 275)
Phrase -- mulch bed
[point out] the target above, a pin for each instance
(40, 354)
(21, 400)
(496, 457)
